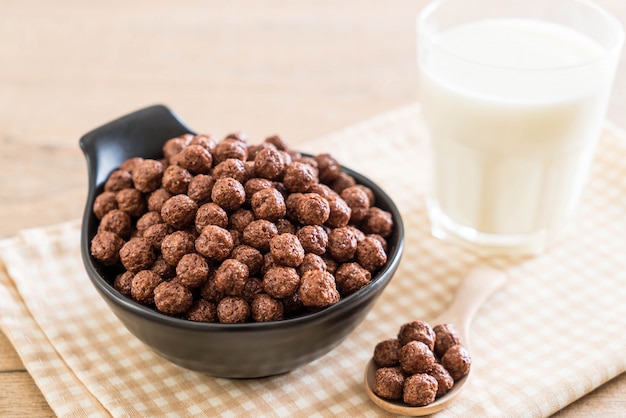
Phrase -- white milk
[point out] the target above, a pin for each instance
(512, 142)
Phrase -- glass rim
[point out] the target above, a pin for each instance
(615, 45)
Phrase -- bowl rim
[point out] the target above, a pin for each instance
(382, 277)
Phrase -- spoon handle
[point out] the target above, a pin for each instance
(476, 287)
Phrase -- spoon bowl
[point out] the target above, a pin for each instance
(477, 286)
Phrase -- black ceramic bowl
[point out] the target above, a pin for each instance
(226, 350)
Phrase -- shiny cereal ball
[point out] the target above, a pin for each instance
(281, 282)
(118, 222)
(176, 179)
(313, 238)
(312, 209)
(105, 247)
(269, 164)
(446, 336)
(192, 270)
(179, 211)
(104, 203)
(358, 201)
(143, 285)
(123, 283)
(172, 298)
(457, 361)
(231, 167)
(200, 188)
(299, 177)
(387, 353)
(419, 390)
(147, 175)
(249, 256)
(377, 221)
(131, 201)
(210, 214)
(233, 310)
(444, 380)
(175, 245)
(339, 213)
(195, 158)
(268, 204)
(259, 233)
(342, 182)
(388, 383)
(287, 250)
(370, 254)
(231, 148)
(214, 243)
(228, 193)
(342, 244)
(265, 308)
(118, 180)
(328, 167)
(318, 289)
(416, 357)
(351, 277)
(231, 277)
(202, 311)
(137, 254)
(157, 198)
(417, 331)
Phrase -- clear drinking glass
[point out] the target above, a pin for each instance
(514, 95)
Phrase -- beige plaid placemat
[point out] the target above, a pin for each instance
(556, 331)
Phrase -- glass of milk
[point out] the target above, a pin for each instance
(514, 95)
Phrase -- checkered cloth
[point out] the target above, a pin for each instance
(553, 333)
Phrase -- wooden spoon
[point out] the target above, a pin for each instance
(478, 285)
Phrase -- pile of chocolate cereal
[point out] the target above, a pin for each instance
(421, 364)
(225, 231)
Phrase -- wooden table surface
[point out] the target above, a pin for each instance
(300, 68)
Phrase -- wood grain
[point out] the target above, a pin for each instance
(301, 69)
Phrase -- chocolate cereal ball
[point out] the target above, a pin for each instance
(419, 390)
(284, 226)
(342, 182)
(351, 277)
(192, 270)
(228, 193)
(444, 380)
(137, 254)
(312, 209)
(249, 256)
(130, 164)
(370, 254)
(146, 220)
(265, 308)
(388, 383)
(299, 177)
(123, 283)
(269, 163)
(172, 298)
(255, 184)
(202, 311)
(241, 218)
(200, 188)
(233, 310)
(417, 331)
(231, 277)
(175, 245)
(147, 175)
(231, 148)
(176, 179)
(156, 233)
(313, 238)
(259, 233)
(231, 167)
(311, 262)
(342, 244)
(446, 337)
(104, 203)
(215, 243)
(328, 168)
(175, 145)
(209, 291)
(457, 361)
(157, 198)
(195, 158)
(118, 222)
(281, 282)
(179, 211)
(339, 212)
(131, 201)
(318, 289)
(163, 269)
(253, 287)
(210, 214)
(118, 180)
(277, 141)
(143, 285)
(387, 353)
(268, 204)
(358, 201)
(287, 250)
(416, 357)
(377, 221)
(105, 247)
(207, 141)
